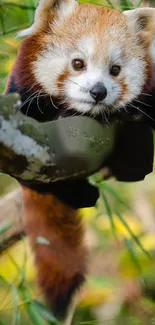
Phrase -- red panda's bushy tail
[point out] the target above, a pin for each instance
(56, 234)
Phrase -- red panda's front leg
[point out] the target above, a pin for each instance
(60, 262)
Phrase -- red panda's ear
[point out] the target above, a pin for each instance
(141, 19)
(141, 22)
(41, 14)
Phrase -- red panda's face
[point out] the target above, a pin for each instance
(89, 60)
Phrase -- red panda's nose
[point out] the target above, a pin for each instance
(98, 92)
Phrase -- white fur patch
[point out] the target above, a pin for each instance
(47, 69)
(87, 45)
(25, 32)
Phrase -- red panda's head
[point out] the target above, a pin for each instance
(90, 58)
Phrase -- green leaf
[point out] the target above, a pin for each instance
(30, 307)
(109, 212)
(5, 226)
(131, 250)
(3, 55)
(16, 312)
(45, 313)
(105, 3)
(126, 5)
(114, 194)
(1, 323)
(133, 235)
(138, 3)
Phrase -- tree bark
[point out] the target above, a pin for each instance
(24, 146)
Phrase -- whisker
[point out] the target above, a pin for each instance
(53, 102)
(38, 104)
(125, 109)
(140, 102)
(30, 104)
(138, 109)
(105, 116)
(29, 89)
(31, 99)
(145, 94)
(27, 99)
(81, 87)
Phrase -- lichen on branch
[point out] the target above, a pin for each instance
(24, 149)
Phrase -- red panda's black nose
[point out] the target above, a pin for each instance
(98, 92)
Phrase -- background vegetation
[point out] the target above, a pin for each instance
(120, 233)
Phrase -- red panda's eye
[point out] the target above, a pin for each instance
(115, 70)
(78, 64)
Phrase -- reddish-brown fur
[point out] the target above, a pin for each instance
(61, 261)
(27, 54)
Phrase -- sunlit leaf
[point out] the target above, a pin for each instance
(95, 296)
(8, 269)
(88, 214)
(120, 228)
(128, 266)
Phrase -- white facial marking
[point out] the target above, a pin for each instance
(48, 68)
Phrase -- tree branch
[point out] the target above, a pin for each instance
(50, 151)
(25, 151)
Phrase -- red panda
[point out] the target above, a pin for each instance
(91, 60)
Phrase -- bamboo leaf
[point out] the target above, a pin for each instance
(109, 212)
(133, 235)
(5, 226)
(126, 5)
(138, 3)
(30, 307)
(16, 313)
(45, 313)
(131, 250)
(114, 194)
